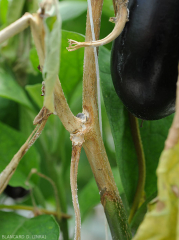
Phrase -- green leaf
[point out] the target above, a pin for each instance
(3, 10)
(35, 93)
(10, 89)
(153, 134)
(72, 9)
(9, 112)
(71, 69)
(34, 58)
(16, 225)
(15, 10)
(108, 8)
(32, 6)
(52, 58)
(10, 142)
(89, 196)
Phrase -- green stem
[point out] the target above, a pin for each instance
(141, 164)
(116, 217)
(30, 208)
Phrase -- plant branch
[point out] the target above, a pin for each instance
(93, 144)
(7, 173)
(30, 208)
(15, 28)
(120, 21)
(76, 150)
(141, 164)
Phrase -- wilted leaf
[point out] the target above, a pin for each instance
(162, 222)
(16, 225)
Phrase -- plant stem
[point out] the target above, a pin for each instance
(7, 173)
(30, 208)
(141, 164)
(76, 150)
(93, 144)
(15, 28)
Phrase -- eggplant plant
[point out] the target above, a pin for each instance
(52, 116)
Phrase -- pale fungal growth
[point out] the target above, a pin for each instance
(77, 142)
(120, 21)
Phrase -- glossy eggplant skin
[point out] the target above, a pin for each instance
(144, 58)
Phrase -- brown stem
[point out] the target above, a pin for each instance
(76, 150)
(93, 144)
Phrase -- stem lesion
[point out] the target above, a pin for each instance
(76, 150)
